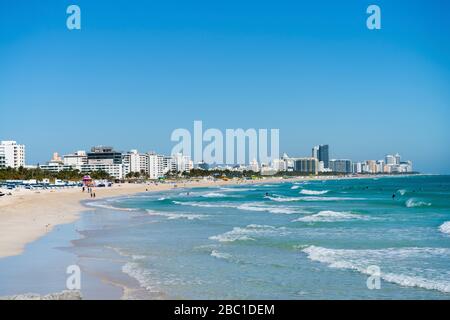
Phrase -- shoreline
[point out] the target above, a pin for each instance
(27, 215)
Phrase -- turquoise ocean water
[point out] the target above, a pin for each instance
(305, 240)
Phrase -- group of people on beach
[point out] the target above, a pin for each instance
(89, 190)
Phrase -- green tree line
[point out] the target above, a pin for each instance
(22, 173)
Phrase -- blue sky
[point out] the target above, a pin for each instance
(140, 69)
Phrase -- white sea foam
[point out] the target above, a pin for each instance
(315, 198)
(283, 198)
(204, 204)
(271, 209)
(402, 192)
(214, 195)
(445, 227)
(295, 187)
(142, 275)
(360, 260)
(175, 216)
(313, 192)
(309, 198)
(248, 233)
(253, 206)
(331, 216)
(236, 189)
(413, 203)
(220, 255)
(106, 206)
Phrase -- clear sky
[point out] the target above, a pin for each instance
(137, 70)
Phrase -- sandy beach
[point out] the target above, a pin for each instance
(27, 215)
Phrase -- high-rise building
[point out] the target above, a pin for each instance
(315, 152)
(397, 159)
(306, 165)
(341, 165)
(322, 153)
(131, 162)
(390, 159)
(158, 165)
(357, 167)
(13, 153)
(104, 155)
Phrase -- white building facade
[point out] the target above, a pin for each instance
(13, 154)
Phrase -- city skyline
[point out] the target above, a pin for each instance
(119, 164)
(133, 74)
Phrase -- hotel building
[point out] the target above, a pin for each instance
(341, 166)
(322, 153)
(306, 165)
(13, 154)
(75, 159)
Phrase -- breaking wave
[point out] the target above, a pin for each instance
(445, 227)
(214, 195)
(106, 206)
(331, 216)
(361, 260)
(248, 233)
(175, 216)
(309, 198)
(220, 255)
(313, 192)
(245, 206)
(413, 203)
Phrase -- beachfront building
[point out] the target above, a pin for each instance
(395, 165)
(289, 162)
(341, 166)
(104, 155)
(390, 159)
(99, 159)
(158, 165)
(131, 162)
(13, 154)
(180, 163)
(279, 165)
(75, 159)
(254, 166)
(306, 165)
(144, 163)
(2, 161)
(114, 170)
(322, 153)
